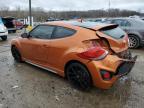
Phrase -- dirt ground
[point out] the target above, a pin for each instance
(25, 86)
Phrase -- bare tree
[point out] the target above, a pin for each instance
(40, 14)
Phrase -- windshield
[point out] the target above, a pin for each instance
(114, 32)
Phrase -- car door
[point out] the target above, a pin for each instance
(36, 47)
(58, 44)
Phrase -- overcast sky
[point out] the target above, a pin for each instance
(137, 5)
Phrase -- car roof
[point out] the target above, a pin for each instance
(123, 18)
(83, 24)
(133, 21)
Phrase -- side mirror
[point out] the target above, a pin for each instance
(24, 35)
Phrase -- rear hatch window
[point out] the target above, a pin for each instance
(114, 32)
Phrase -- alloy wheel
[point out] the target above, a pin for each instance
(78, 75)
(16, 54)
(133, 42)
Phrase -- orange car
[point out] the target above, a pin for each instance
(86, 53)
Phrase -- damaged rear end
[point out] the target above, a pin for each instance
(117, 41)
(109, 55)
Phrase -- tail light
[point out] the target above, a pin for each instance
(95, 53)
(95, 50)
(97, 42)
(106, 75)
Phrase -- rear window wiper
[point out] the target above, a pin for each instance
(122, 36)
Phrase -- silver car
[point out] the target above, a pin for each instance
(3, 32)
(134, 28)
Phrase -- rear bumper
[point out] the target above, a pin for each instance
(126, 67)
(112, 63)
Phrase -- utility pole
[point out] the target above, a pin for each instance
(30, 13)
(109, 7)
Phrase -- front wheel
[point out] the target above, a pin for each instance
(133, 41)
(79, 76)
(16, 54)
(4, 38)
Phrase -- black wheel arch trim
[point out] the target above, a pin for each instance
(76, 61)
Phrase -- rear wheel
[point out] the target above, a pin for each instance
(4, 38)
(16, 54)
(79, 76)
(133, 41)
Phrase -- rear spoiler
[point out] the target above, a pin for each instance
(105, 27)
(108, 27)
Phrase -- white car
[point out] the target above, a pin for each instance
(3, 32)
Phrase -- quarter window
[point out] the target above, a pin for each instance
(42, 32)
(61, 32)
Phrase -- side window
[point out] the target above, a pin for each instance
(42, 32)
(123, 23)
(61, 32)
(107, 21)
(127, 24)
(119, 22)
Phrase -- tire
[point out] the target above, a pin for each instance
(16, 54)
(79, 76)
(4, 38)
(134, 42)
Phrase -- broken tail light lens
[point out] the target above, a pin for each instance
(94, 53)
(97, 42)
(96, 49)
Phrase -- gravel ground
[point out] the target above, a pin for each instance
(25, 86)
